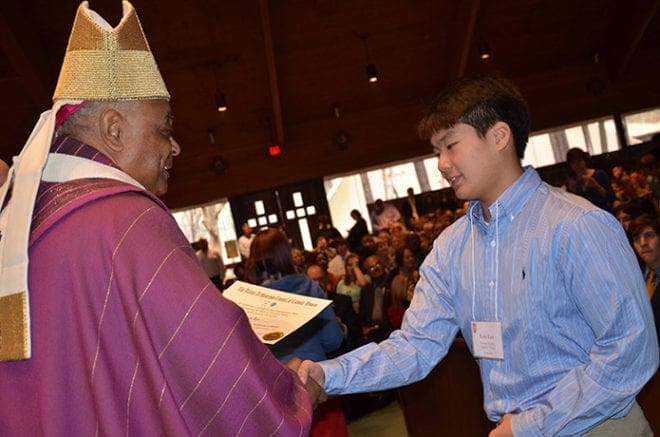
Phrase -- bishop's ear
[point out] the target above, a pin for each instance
(110, 126)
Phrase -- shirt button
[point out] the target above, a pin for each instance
(492, 243)
(491, 284)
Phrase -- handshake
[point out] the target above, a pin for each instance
(312, 376)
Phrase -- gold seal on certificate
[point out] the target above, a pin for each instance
(272, 336)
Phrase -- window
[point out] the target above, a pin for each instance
(641, 126)
(391, 181)
(550, 147)
(213, 222)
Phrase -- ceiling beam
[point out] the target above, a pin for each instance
(626, 32)
(468, 38)
(272, 71)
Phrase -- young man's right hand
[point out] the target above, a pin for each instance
(310, 369)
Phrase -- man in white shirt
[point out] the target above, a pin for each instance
(244, 241)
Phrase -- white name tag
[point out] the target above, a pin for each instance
(487, 340)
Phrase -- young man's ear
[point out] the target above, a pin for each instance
(110, 127)
(501, 135)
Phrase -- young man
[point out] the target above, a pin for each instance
(543, 286)
(645, 234)
(113, 328)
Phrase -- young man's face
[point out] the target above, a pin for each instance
(468, 162)
(647, 246)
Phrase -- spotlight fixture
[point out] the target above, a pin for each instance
(372, 72)
(218, 165)
(221, 102)
(484, 51)
(220, 98)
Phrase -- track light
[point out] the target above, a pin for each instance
(372, 73)
(221, 102)
(484, 50)
(220, 98)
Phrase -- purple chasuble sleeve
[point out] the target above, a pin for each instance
(129, 335)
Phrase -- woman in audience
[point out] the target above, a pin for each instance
(405, 259)
(401, 298)
(353, 281)
(270, 265)
(298, 258)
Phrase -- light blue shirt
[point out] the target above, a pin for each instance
(559, 274)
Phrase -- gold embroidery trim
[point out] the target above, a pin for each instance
(14, 329)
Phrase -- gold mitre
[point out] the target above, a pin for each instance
(102, 63)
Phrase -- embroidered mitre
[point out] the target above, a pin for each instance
(102, 63)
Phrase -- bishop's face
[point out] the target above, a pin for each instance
(149, 145)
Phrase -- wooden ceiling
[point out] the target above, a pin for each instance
(284, 64)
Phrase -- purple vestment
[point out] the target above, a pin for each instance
(129, 335)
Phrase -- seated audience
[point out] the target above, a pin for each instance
(375, 298)
(336, 266)
(330, 280)
(592, 184)
(298, 258)
(645, 234)
(352, 282)
(384, 215)
(627, 211)
(401, 298)
(322, 247)
(325, 229)
(406, 262)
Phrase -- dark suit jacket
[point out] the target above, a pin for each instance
(367, 296)
(356, 233)
(343, 306)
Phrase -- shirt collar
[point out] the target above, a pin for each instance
(512, 200)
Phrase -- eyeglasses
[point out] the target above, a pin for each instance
(374, 267)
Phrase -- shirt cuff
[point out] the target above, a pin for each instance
(331, 369)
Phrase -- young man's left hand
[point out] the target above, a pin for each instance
(503, 428)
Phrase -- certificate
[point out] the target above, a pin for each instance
(274, 314)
